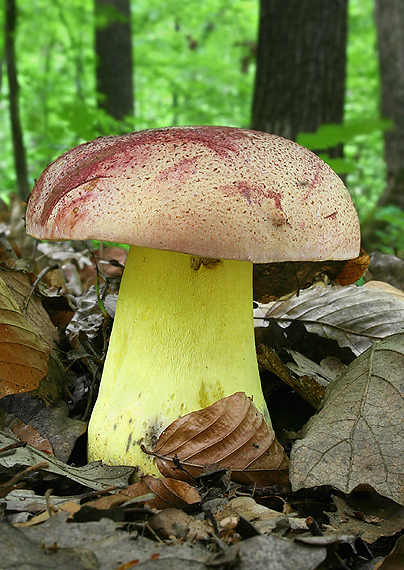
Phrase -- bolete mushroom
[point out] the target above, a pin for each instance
(199, 206)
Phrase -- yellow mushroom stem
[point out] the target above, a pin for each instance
(183, 337)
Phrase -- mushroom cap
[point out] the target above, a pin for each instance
(217, 192)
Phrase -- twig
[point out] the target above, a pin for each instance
(101, 492)
(37, 280)
(97, 286)
(314, 527)
(87, 411)
(5, 245)
(12, 484)
(175, 460)
(50, 509)
(8, 449)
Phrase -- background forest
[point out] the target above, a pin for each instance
(193, 63)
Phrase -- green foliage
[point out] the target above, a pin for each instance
(367, 181)
(193, 64)
(393, 216)
(330, 135)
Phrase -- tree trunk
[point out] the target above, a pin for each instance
(301, 58)
(13, 88)
(390, 27)
(113, 47)
(390, 30)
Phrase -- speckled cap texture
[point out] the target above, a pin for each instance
(216, 192)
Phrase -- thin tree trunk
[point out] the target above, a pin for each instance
(390, 28)
(113, 47)
(301, 59)
(390, 25)
(13, 87)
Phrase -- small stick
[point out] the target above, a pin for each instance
(13, 483)
(10, 448)
(37, 280)
(314, 527)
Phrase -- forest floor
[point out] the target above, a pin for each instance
(58, 511)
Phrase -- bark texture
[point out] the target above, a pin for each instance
(389, 16)
(13, 90)
(113, 46)
(390, 27)
(301, 59)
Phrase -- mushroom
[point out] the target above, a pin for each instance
(199, 206)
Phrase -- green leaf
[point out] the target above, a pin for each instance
(339, 165)
(329, 135)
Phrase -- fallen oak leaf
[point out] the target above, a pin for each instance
(231, 434)
(169, 492)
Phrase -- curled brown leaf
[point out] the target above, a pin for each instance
(169, 492)
(229, 434)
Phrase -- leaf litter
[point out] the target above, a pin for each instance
(104, 517)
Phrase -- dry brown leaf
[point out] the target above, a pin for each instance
(276, 280)
(353, 269)
(169, 492)
(263, 519)
(356, 439)
(70, 507)
(382, 285)
(305, 385)
(23, 354)
(395, 560)
(25, 433)
(107, 502)
(19, 285)
(48, 428)
(229, 434)
(94, 475)
(366, 514)
(387, 268)
(175, 524)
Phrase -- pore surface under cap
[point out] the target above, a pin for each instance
(210, 191)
